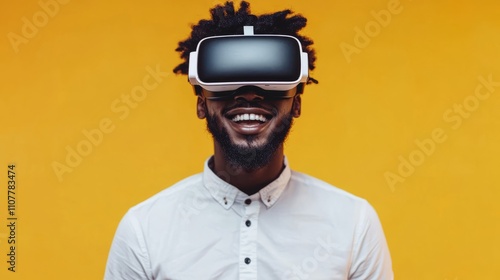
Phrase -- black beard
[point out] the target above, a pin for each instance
(250, 157)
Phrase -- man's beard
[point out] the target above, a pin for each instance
(251, 156)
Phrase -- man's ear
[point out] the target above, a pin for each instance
(201, 107)
(296, 107)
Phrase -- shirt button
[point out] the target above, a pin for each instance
(248, 201)
(248, 260)
(248, 223)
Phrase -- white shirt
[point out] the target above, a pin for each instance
(297, 227)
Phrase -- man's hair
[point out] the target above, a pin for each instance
(226, 21)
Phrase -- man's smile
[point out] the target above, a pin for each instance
(249, 120)
(249, 117)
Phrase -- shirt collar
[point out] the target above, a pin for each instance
(226, 194)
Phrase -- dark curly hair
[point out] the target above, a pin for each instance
(226, 21)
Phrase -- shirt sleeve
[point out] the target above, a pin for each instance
(371, 258)
(128, 258)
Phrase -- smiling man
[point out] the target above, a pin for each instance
(248, 215)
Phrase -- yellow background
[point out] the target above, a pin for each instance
(360, 122)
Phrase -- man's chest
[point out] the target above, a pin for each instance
(252, 247)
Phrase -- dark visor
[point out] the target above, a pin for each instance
(249, 58)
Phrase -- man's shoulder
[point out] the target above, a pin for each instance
(329, 200)
(309, 184)
(169, 196)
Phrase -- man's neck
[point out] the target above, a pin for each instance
(248, 181)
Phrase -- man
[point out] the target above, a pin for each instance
(248, 216)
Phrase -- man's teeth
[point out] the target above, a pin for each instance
(249, 117)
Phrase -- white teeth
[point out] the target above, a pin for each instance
(249, 117)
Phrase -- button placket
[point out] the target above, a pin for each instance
(248, 240)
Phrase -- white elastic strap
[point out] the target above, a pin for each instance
(248, 30)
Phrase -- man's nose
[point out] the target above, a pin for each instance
(248, 94)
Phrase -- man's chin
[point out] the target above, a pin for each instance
(248, 157)
(249, 142)
(249, 152)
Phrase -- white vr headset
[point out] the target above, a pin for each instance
(273, 63)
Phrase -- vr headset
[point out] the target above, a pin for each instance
(271, 64)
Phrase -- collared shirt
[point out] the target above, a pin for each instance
(297, 227)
